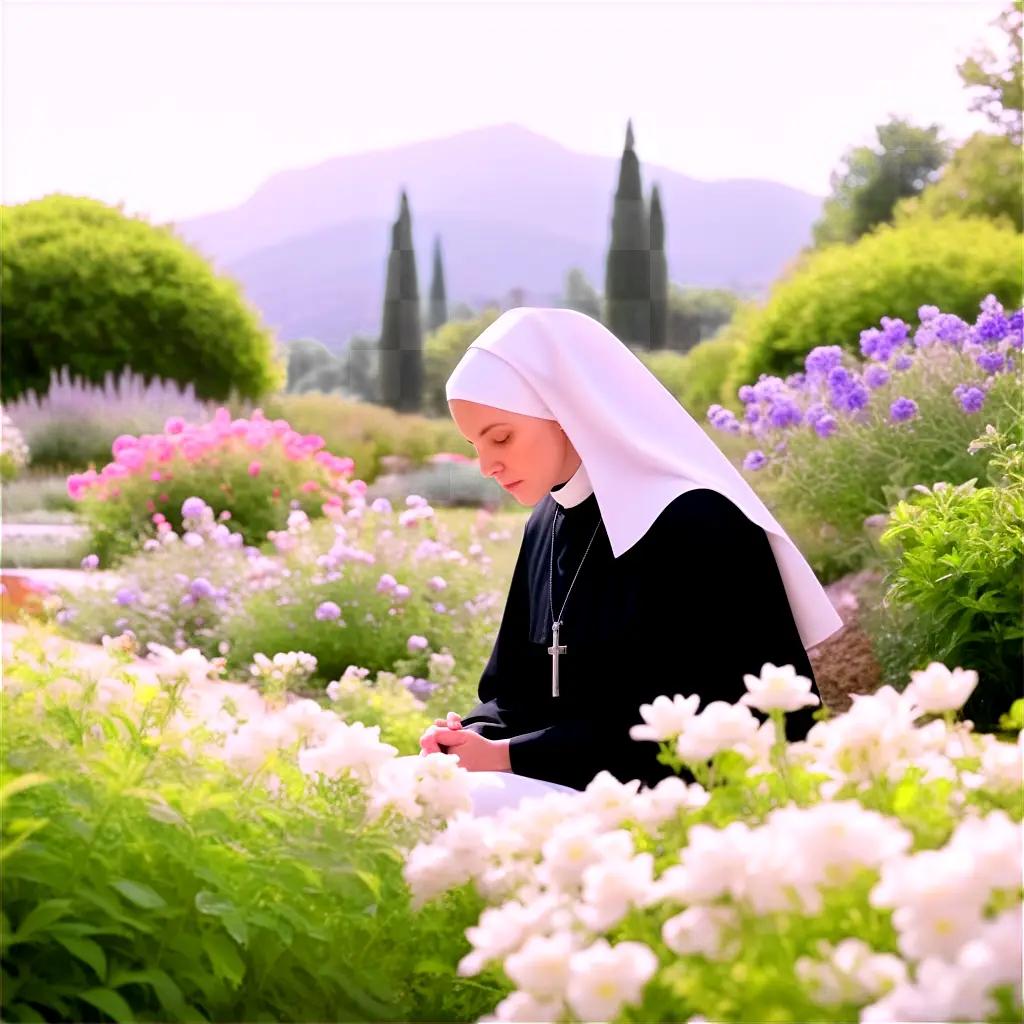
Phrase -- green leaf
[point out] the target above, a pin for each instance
(139, 894)
(39, 917)
(88, 952)
(224, 957)
(20, 784)
(109, 1002)
(166, 989)
(210, 903)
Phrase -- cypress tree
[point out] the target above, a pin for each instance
(659, 275)
(401, 335)
(438, 313)
(628, 269)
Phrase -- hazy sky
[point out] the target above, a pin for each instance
(178, 109)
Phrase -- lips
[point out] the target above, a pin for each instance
(515, 483)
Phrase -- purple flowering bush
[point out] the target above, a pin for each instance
(847, 437)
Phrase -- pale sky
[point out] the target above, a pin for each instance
(177, 109)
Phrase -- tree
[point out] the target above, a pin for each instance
(982, 179)
(401, 336)
(872, 180)
(1001, 93)
(87, 287)
(580, 294)
(438, 313)
(627, 287)
(659, 275)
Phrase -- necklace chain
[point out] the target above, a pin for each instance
(551, 568)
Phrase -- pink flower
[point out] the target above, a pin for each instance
(309, 486)
(417, 643)
(254, 469)
(175, 425)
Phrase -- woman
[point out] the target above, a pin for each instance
(648, 565)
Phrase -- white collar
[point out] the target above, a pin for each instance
(576, 489)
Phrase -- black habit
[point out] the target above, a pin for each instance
(695, 604)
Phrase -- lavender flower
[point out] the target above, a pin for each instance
(90, 562)
(327, 611)
(755, 459)
(971, 398)
(201, 587)
(126, 596)
(193, 508)
(821, 360)
(826, 426)
(875, 376)
(902, 409)
(991, 362)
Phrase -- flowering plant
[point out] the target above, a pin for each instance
(251, 467)
(846, 438)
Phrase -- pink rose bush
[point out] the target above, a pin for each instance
(252, 468)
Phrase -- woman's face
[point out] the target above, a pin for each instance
(513, 447)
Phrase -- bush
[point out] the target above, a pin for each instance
(87, 287)
(955, 573)
(892, 271)
(14, 452)
(184, 851)
(846, 438)
(366, 432)
(256, 470)
(75, 423)
(442, 350)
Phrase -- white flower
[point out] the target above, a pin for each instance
(521, 1006)
(651, 807)
(351, 747)
(572, 848)
(170, 664)
(604, 978)
(778, 687)
(665, 719)
(936, 689)
(851, 972)
(700, 930)
(609, 800)
(720, 726)
(611, 889)
(541, 966)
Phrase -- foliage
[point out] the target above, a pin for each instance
(161, 862)
(982, 179)
(874, 179)
(956, 562)
(255, 469)
(696, 315)
(890, 272)
(75, 422)
(442, 351)
(1001, 89)
(580, 294)
(86, 287)
(14, 452)
(845, 438)
(366, 432)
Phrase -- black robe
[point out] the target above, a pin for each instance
(697, 602)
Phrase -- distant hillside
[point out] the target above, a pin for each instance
(514, 210)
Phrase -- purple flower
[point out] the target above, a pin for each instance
(327, 611)
(902, 409)
(90, 562)
(723, 419)
(927, 313)
(421, 688)
(826, 426)
(875, 376)
(785, 413)
(126, 596)
(201, 587)
(971, 398)
(755, 459)
(753, 413)
(990, 362)
(193, 508)
(746, 394)
(903, 362)
(839, 379)
(417, 643)
(1016, 322)
(991, 327)
(855, 398)
(950, 328)
(822, 359)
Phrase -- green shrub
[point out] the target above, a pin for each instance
(87, 287)
(442, 350)
(955, 577)
(835, 292)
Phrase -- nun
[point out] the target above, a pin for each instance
(647, 565)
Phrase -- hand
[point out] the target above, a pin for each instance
(428, 745)
(476, 753)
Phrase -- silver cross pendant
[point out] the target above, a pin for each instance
(555, 651)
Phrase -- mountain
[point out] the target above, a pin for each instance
(514, 210)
